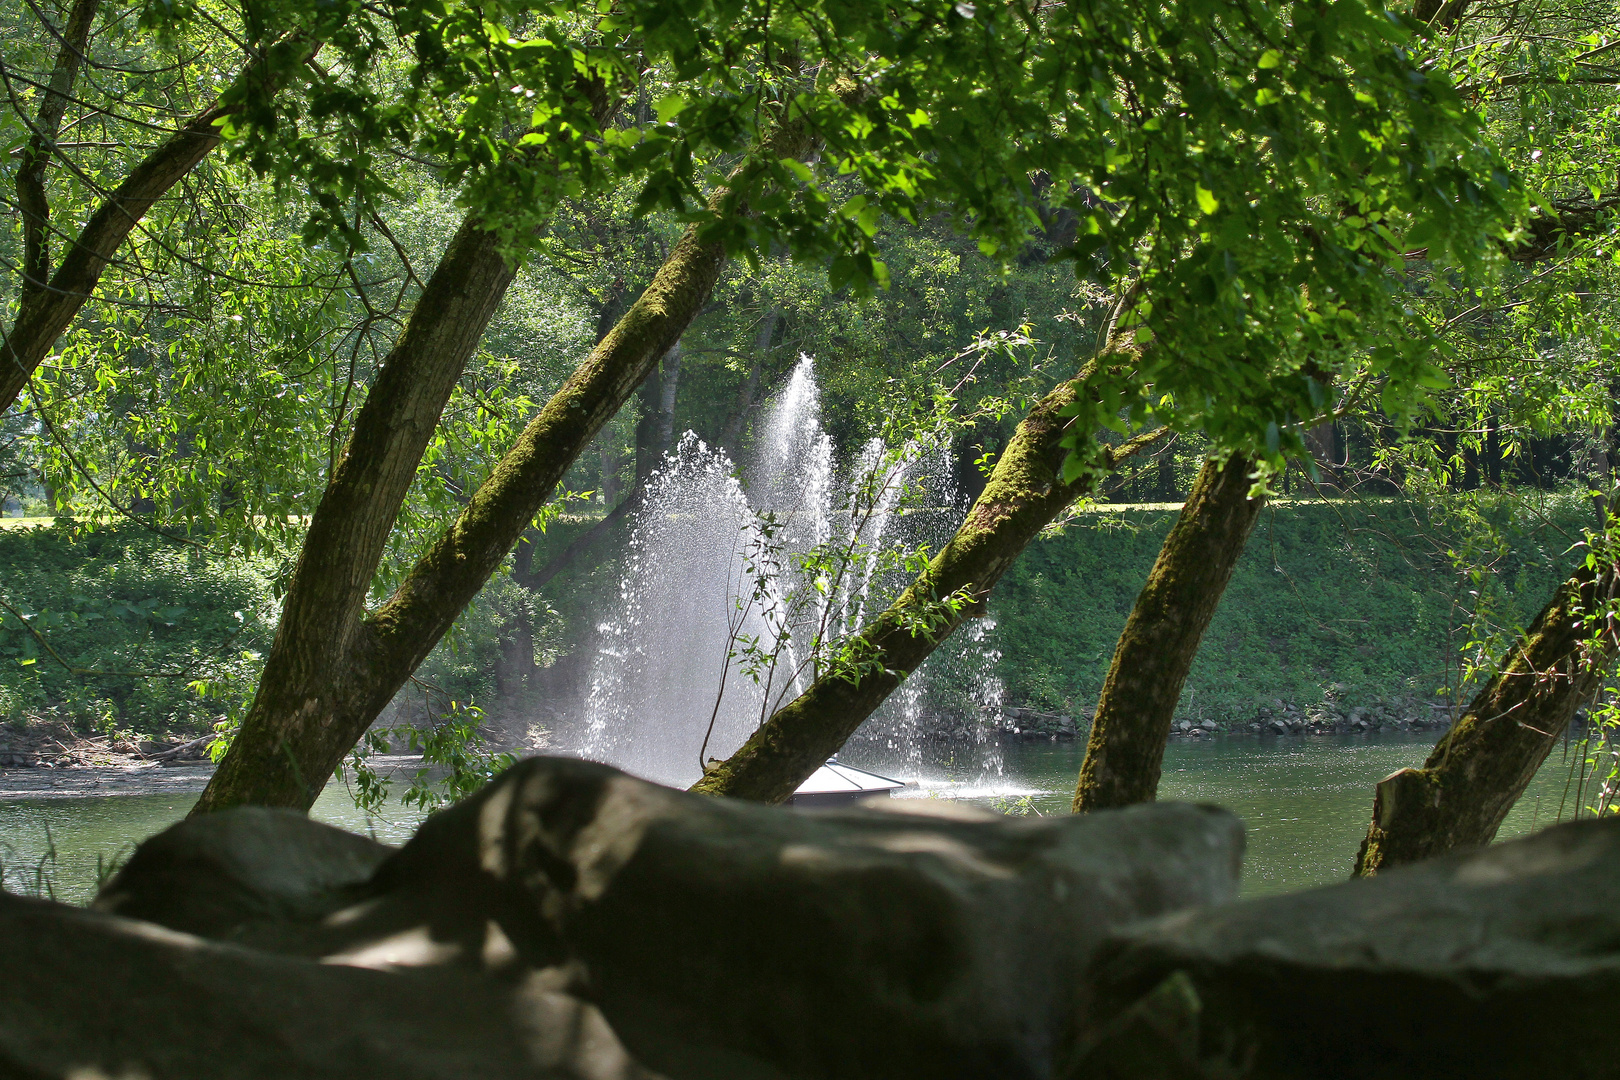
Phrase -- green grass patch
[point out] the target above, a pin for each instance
(1358, 601)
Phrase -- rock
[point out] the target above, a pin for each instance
(727, 939)
(218, 873)
(85, 994)
(1208, 725)
(1279, 727)
(720, 939)
(1501, 963)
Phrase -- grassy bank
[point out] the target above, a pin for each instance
(123, 630)
(1356, 601)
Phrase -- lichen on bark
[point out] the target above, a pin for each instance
(1479, 769)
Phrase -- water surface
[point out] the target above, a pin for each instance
(61, 844)
(1304, 800)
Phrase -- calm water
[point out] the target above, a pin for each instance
(87, 833)
(1304, 800)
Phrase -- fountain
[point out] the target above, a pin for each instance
(732, 590)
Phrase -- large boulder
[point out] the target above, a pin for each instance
(726, 939)
(723, 939)
(85, 994)
(217, 874)
(1501, 963)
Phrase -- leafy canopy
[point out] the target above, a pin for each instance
(1258, 168)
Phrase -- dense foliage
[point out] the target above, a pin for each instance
(1359, 602)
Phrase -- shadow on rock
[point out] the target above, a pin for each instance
(574, 909)
(1501, 963)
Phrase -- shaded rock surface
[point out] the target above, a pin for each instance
(718, 939)
(728, 939)
(88, 995)
(1504, 962)
(215, 874)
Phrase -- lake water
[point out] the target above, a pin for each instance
(1305, 802)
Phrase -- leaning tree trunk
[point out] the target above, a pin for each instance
(1026, 491)
(1126, 749)
(1476, 773)
(333, 668)
(45, 310)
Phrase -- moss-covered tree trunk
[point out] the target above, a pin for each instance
(1026, 491)
(333, 667)
(1476, 773)
(46, 309)
(1126, 748)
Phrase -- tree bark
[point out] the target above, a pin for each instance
(320, 642)
(32, 200)
(333, 668)
(1125, 751)
(43, 314)
(1025, 492)
(1476, 773)
(750, 388)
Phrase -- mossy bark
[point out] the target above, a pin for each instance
(1126, 748)
(46, 310)
(1026, 491)
(333, 668)
(1476, 773)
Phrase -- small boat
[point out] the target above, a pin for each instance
(836, 784)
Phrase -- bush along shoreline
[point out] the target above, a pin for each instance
(117, 646)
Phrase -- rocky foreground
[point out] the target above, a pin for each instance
(572, 922)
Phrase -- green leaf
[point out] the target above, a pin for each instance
(669, 107)
(1207, 202)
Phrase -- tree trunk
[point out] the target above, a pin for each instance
(1025, 492)
(43, 315)
(1126, 748)
(332, 668)
(610, 474)
(1476, 773)
(318, 657)
(32, 202)
(668, 381)
(750, 388)
(516, 663)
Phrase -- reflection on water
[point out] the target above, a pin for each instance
(89, 832)
(1305, 801)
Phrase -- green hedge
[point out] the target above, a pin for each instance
(1359, 601)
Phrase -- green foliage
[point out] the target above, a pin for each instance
(1260, 170)
(145, 623)
(456, 761)
(1359, 601)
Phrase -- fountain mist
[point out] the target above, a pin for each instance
(727, 588)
